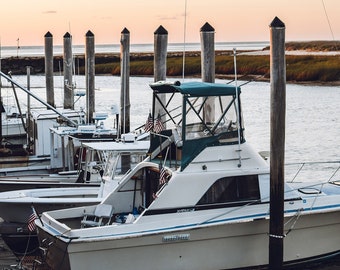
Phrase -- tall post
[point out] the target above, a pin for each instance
(208, 67)
(125, 81)
(125, 90)
(277, 141)
(2, 109)
(28, 113)
(68, 70)
(208, 53)
(89, 75)
(160, 54)
(49, 69)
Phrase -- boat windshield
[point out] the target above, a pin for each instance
(210, 116)
(118, 163)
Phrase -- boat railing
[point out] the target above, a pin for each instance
(314, 171)
(14, 83)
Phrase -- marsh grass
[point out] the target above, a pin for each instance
(300, 68)
(313, 68)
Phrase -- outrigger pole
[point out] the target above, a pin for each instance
(38, 99)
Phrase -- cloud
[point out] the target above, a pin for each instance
(167, 18)
(49, 12)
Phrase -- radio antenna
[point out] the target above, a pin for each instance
(184, 38)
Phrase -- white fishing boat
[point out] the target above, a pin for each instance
(200, 202)
(65, 167)
(119, 158)
(48, 153)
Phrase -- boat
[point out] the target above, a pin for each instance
(14, 229)
(201, 200)
(48, 153)
(12, 125)
(65, 167)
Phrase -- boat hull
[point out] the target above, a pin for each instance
(15, 232)
(19, 239)
(21, 202)
(216, 246)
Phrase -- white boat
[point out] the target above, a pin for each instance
(200, 202)
(71, 163)
(47, 155)
(21, 202)
(11, 124)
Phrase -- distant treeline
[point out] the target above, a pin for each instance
(300, 68)
(314, 46)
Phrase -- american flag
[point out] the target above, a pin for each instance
(31, 222)
(159, 126)
(162, 176)
(149, 123)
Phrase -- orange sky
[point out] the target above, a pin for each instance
(237, 20)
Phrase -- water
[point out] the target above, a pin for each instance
(8, 51)
(312, 117)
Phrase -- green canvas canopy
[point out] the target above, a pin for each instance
(195, 89)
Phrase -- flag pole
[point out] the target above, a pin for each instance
(36, 214)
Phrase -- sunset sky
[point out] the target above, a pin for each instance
(237, 20)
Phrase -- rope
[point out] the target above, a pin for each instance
(328, 21)
(297, 215)
(184, 39)
(329, 180)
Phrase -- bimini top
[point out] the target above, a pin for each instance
(195, 89)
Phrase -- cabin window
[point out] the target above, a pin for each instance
(210, 116)
(232, 189)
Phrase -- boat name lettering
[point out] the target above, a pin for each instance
(185, 210)
(176, 237)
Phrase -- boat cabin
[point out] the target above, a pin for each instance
(194, 115)
(188, 152)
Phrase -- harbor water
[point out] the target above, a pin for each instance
(312, 113)
(312, 117)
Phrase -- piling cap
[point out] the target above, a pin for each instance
(207, 28)
(48, 34)
(161, 31)
(67, 35)
(277, 23)
(125, 31)
(89, 34)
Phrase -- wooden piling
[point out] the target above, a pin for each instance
(89, 75)
(68, 72)
(125, 81)
(208, 53)
(277, 141)
(49, 69)
(207, 33)
(160, 55)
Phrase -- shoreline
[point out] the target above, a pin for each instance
(254, 65)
